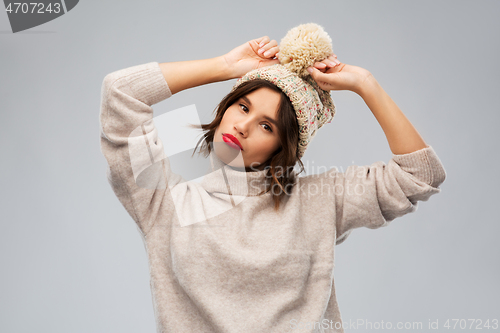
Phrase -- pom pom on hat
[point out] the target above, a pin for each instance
(303, 46)
(300, 48)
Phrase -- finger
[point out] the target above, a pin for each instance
(331, 61)
(262, 40)
(316, 74)
(254, 43)
(328, 63)
(319, 76)
(271, 52)
(335, 69)
(268, 46)
(336, 60)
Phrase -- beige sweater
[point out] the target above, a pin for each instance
(220, 258)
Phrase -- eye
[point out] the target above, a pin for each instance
(245, 109)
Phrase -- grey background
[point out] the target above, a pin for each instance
(72, 259)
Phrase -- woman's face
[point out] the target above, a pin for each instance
(252, 120)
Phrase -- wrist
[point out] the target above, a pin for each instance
(366, 86)
(223, 69)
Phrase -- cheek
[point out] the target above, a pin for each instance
(276, 144)
(222, 124)
(228, 117)
(269, 145)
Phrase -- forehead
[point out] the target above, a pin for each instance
(264, 100)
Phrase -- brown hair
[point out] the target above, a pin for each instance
(280, 165)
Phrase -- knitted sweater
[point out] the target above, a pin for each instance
(221, 259)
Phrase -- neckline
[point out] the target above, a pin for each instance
(222, 178)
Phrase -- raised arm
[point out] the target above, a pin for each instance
(373, 195)
(138, 170)
(183, 75)
(402, 137)
(259, 52)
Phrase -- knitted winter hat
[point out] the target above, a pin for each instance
(300, 48)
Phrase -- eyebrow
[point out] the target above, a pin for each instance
(268, 118)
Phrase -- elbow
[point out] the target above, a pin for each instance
(107, 83)
(438, 175)
(111, 79)
(105, 114)
(438, 172)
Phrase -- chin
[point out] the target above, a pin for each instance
(228, 155)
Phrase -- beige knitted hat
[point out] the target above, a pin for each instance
(300, 48)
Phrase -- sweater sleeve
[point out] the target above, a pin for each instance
(138, 169)
(372, 196)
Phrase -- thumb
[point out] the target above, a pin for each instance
(315, 73)
(319, 77)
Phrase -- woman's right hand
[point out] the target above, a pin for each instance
(257, 53)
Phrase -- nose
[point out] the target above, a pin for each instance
(242, 126)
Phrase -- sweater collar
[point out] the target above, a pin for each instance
(222, 178)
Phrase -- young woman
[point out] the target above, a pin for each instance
(251, 247)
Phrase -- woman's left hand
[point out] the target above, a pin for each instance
(257, 53)
(330, 74)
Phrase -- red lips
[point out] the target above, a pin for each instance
(232, 139)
